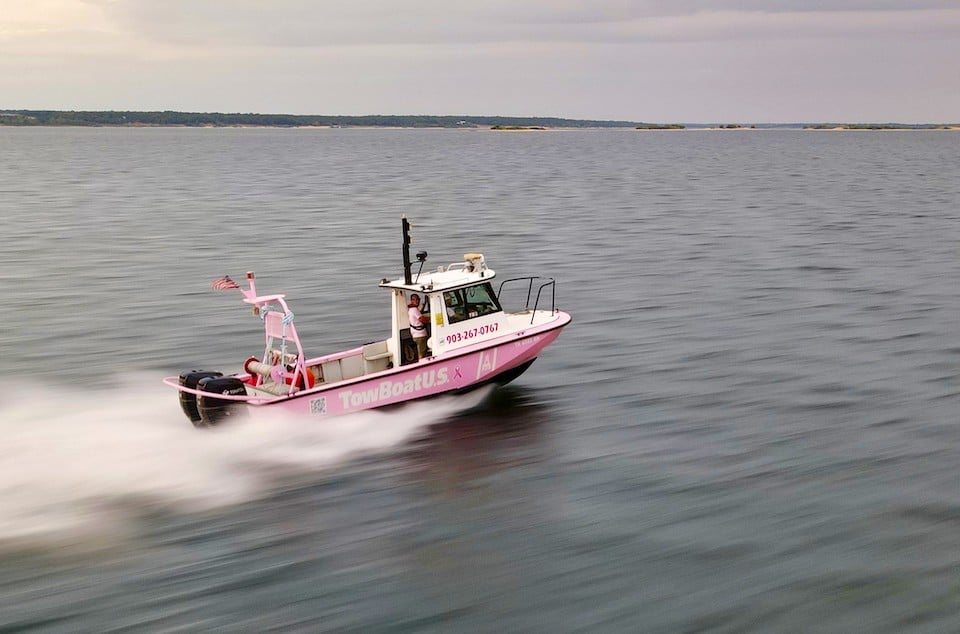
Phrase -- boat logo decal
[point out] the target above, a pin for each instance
(487, 363)
(388, 389)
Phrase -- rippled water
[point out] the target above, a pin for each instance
(751, 424)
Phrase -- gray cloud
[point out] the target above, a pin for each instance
(302, 23)
(655, 60)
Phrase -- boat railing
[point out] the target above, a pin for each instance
(542, 283)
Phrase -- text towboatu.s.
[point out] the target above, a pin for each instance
(470, 340)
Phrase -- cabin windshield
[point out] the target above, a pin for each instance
(470, 302)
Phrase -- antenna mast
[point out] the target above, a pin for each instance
(407, 277)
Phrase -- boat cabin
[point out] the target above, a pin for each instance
(459, 301)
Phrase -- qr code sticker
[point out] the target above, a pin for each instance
(318, 405)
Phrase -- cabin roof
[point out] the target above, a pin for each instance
(473, 270)
(434, 281)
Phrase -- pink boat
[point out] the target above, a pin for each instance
(472, 340)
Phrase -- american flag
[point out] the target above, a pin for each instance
(223, 283)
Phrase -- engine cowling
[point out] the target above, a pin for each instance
(213, 410)
(188, 402)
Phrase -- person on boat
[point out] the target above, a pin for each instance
(453, 316)
(418, 326)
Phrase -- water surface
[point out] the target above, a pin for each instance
(751, 424)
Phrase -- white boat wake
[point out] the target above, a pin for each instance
(71, 458)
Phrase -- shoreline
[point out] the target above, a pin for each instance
(182, 119)
(485, 128)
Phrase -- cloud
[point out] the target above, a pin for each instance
(307, 23)
(761, 60)
(25, 19)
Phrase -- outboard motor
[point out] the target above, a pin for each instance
(214, 410)
(188, 402)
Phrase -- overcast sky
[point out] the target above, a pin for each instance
(642, 60)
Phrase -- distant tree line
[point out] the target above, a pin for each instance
(661, 126)
(198, 119)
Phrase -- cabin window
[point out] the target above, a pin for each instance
(470, 302)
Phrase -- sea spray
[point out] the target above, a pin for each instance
(72, 458)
